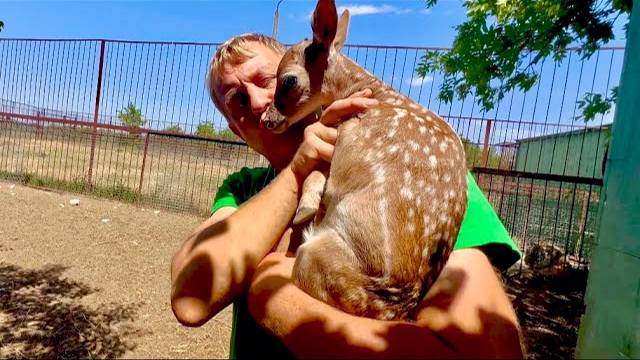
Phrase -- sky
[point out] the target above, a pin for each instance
(391, 22)
(167, 82)
(387, 22)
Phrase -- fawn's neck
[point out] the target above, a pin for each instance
(338, 86)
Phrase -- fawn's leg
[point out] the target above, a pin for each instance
(312, 191)
(327, 269)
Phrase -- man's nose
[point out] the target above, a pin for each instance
(259, 98)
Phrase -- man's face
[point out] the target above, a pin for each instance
(246, 90)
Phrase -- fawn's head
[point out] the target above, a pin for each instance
(306, 67)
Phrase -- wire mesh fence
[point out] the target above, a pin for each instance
(64, 122)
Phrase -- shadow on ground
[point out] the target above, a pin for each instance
(42, 316)
(549, 309)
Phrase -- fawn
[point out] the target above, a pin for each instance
(388, 214)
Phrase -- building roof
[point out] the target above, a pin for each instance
(566, 133)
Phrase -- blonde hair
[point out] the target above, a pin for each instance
(235, 51)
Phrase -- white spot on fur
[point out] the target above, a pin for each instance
(367, 133)
(393, 149)
(426, 150)
(418, 202)
(391, 132)
(406, 158)
(414, 145)
(407, 175)
(457, 208)
(452, 194)
(446, 178)
(422, 129)
(411, 227)
(406, 193)
(425, 252)
(443, 146)
(432, 161)
(411, 213)
(379, 174)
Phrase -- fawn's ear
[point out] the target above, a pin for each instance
(324, 23)
(343, 28)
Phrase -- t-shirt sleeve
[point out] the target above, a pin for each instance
(481, 227)
(227, 195)
(240, 186)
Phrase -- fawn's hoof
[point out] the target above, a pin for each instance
(304, 214)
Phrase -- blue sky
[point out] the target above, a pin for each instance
(393, 22)
(389, 22)
(177, 95)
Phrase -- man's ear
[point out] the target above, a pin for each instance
(343, 29)
(324, 23)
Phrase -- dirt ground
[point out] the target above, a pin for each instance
(93, 281)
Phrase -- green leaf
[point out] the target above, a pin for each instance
(502, 43)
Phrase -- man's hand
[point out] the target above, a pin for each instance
(466, 314)
(320, 137)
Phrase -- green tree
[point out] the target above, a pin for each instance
(497, 48)
(1, 25)
(131, 116)
(206, 129)
(473, 154)
(227, 134)
(174, 129)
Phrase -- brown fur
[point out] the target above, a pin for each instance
(396, 194)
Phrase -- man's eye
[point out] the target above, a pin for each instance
(242, 99)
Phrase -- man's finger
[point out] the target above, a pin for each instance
(324, 149)
(327, 134)
(345, 107)
(362, 93)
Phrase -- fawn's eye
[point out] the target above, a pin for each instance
(289, 82)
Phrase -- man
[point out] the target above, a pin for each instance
(227, 259)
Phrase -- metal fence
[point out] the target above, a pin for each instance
(59, 126)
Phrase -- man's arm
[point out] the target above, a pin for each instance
(465, 314)
(218, 260)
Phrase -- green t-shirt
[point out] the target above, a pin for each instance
(481, 227)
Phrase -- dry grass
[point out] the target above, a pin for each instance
(179, 174)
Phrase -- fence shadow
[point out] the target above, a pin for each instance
(42, 316)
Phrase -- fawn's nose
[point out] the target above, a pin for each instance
(289, 82)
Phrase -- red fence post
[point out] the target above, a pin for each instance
(96, 112)
(485, 149)
(144, 161)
